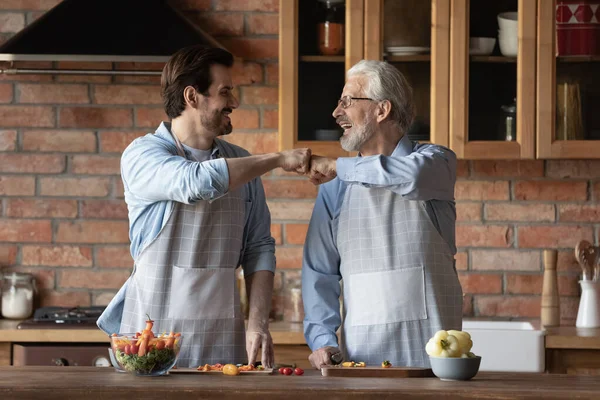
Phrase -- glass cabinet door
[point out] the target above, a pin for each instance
(568, 73)
(413, 35)
(492, 78)
(318, 41)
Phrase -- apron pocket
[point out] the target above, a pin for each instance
(386, 297)
(202, 293)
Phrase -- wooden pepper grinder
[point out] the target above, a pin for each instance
(550, 298)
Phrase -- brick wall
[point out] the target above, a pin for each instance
(64, 218)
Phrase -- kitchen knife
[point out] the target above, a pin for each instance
(336, 358)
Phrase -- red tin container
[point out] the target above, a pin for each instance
(578, 27)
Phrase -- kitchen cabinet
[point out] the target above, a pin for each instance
(568, 87)
(484, 87)
(413, 35)
(311, 83)
(494, 104)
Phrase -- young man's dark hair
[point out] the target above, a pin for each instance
(189, 66)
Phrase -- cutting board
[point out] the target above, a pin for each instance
(377, 372)
(266, 371)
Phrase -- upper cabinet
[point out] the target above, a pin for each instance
(502, 79)
(413, 35)
(492, 78)
(568, 79)
(318, 42)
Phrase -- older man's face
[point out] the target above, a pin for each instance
(357, 119)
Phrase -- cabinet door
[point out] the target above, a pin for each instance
(413, 35)
(568, 79)
(492, 90)
(311, 83)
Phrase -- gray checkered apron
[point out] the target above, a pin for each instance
(185, 280)
(400, 284)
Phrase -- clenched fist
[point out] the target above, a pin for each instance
(322, 169)
(297, 160)
(322, 356)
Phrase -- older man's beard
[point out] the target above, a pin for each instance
(214, 122)
(360, 135)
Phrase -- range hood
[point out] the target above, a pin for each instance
(105, 30)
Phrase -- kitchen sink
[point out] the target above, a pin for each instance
(507, 346)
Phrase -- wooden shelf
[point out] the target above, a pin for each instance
(493, 59)
(576, 59)
(409, 58)
(322, 58)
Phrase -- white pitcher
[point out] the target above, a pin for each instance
(588, 315)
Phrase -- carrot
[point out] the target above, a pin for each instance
(170, 341)
(148, 333)
(143, 345)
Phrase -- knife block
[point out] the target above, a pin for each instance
(550, 299)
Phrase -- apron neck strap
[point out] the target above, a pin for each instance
(178, 144)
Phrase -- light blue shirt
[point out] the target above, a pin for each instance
(422, 172)
(155, 177)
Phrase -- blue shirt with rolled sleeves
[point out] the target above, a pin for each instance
(155, 176)
(423, 172)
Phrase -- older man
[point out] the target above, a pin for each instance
(385, 228)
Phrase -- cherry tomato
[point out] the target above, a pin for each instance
(298, 371)
(288, 371)
(134, 348)
(281, 370)
(127, 349)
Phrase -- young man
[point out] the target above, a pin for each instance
(385, 226)
(197, 210)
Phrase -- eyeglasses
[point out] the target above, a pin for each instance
(346, 101)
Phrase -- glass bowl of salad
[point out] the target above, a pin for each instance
(144, 354)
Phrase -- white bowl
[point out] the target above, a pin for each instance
(481, 45)
(508, 21)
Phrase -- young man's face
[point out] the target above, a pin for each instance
(220, 102)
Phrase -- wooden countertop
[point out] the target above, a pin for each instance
(282, 333)
(89, 382)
